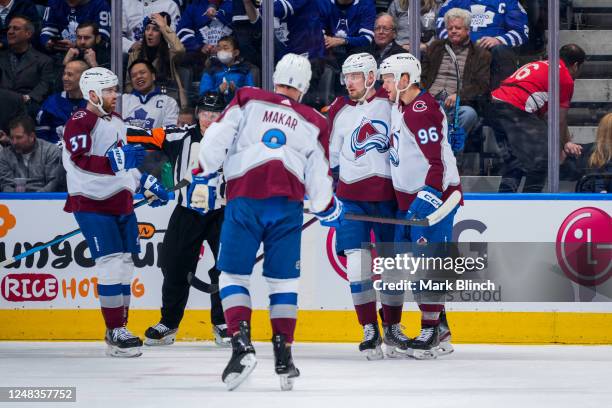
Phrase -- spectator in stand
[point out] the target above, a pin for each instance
(62, 17)
(517, 114)
(134, 13)
(185, 117)
(349, 27)
(29, 164)
(473, 64)
(57, 109)
(23, 70)
(385, 32)
(89, 47)
(228, 71)
(499, 26)
(147, 106)
(601, 158)
(163, 49)
(12, 8)
(12, 106)
(399, 9)
(201, 27)
(297, 27)
(248, 34)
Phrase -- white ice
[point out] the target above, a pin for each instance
(333, 375)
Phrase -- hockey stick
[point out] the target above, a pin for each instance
(201, 285)
(432, 219)
(5, 263)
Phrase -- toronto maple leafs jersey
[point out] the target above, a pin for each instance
(270, 146)
(149, 111)
(197, 29)
(93, 186)
(61, 20)
(297, 28)
(134, 13)
(505, 20)
(359, 144)
(53, 115)
(354, 22)
(420, 154)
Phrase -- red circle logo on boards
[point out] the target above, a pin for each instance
(584, 246)
(339, 262)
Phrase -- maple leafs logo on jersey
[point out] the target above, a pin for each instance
(370, 134)
(481, 18)
(141, 119)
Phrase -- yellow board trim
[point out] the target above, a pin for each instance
(323, 326)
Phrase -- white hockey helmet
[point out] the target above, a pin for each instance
(293, 70)
(399, 64)
(362, 62)
(97, 79)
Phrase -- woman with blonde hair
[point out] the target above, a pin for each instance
(600, 160)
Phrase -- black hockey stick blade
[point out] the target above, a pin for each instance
(201, 285)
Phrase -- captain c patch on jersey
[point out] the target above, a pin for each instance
(370, 134)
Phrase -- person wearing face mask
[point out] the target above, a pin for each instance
(228, 71)
(161, 46)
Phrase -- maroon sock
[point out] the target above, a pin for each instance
(366, 313)
(113, 317)
(233, 317)
(392, 314)
(430, 313)
(284, 326)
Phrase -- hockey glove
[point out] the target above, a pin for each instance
(155, 190)
(126, 157)
(201, 193)
(332, 217)
(426, 202)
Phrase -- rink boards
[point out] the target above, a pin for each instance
(52, 295)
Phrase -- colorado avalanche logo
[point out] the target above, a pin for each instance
(371, 134)
(393, 148)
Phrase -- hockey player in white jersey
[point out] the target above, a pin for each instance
(102, 176)
(274, 150)
(424, 173)
(359, 152)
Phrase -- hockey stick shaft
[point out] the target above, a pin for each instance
(5, 263)
(449, 205)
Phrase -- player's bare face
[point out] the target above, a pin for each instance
(109, 99)
(458, 33)
(206, 118)
(389, 86)
(355, 85)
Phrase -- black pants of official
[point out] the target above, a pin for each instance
(523, 140)
(186, 232)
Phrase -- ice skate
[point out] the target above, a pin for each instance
(424, 346)
(243, 360)
(221, 337)
(445, 347)
(372, 341)
(283, 363)
(396, 342)
(122, 343)
(160, 335)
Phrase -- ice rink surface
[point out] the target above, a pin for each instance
(333, 375)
